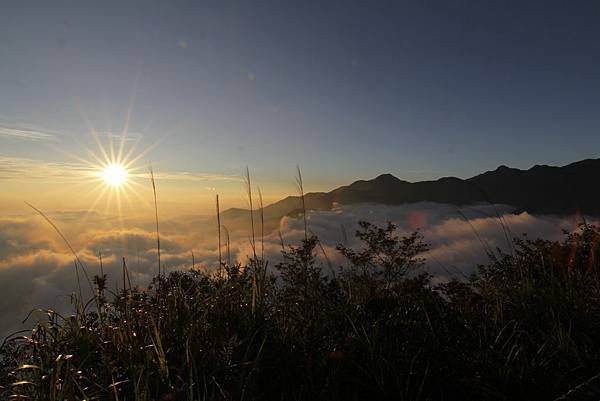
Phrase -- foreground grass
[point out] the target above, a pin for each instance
(525, 327)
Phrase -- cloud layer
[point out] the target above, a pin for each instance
(37, 269)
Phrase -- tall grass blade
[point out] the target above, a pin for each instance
(219, 232)
(156, 218)
(262, 225)
(66, 241)
(249, 193)
(300, 187)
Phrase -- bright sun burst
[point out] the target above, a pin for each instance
(114, 175)
(114, 171)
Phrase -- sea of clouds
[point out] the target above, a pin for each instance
(37, 268)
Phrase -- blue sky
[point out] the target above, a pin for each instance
(346, 89)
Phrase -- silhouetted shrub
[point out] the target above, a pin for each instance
(526, 326)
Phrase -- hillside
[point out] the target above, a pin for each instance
(539, 190)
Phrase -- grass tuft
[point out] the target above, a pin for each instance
(525, 326)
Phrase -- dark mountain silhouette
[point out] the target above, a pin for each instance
(539, 190)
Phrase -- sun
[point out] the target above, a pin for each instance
(114, 174)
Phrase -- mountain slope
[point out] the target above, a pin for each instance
(539, 190)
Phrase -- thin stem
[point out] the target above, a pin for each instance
(300, 186)
(262, 225)
(227, 245)
(156, 217)
(66, 242)
(219, 233)
(249, 191)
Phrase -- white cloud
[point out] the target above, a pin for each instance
(36, 269)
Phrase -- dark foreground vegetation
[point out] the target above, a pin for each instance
(525, 327)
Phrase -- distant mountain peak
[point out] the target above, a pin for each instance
(386, 178)
(540, 190)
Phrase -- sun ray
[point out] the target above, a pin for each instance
(139, 197)
(131, 150)
(112, 165)
(108, 201)
(125, 131)
(103, 190)
(111, 146)
(143, 153)
(120, 209)
(100, 146)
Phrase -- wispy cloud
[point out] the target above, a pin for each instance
(195, 176)
(19, 168)
(120, 137)
(28, 133)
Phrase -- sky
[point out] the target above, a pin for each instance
(200, 90)
(345, 89)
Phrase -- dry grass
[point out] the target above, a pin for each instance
(526, 326)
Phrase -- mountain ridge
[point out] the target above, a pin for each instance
(541, 189)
